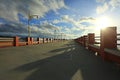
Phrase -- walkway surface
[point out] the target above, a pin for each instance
(54, 61)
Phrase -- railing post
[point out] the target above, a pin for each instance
(91, 39)
(47, 39)
(16, 41)
(84, 40)
(81, 40)
(43, 40)
(38, 40)
(108, 39)
(31, 39)
(28, 41)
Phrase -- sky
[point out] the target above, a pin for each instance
(57, 18)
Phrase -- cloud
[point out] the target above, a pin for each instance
(57, 21)
(107, 5)
(16, 29)
(87, 19)
(114, 3)
(100, 1)
(77, 23)
(9, 9)
(102, 9)
(78, 28)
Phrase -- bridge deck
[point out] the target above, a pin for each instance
(54, 61)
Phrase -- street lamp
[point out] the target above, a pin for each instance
(29, 18)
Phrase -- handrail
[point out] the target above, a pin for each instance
(5, 39)
(118, 38)
(97, 36)
(118, 34)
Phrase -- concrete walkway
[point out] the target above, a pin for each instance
(54, 61)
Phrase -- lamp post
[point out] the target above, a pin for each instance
(29, 18)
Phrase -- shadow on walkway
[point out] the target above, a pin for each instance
(72, 62)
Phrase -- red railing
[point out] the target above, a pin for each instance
(97, 39)
(118, 39)
(106, 45)
(20, 41)
(5, 41)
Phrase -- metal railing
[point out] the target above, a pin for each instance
(5, 39)
(118, 40)
(97, 39)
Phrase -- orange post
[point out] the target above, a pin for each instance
(91, 38)
(16, 41)
(84, 40)
(43, 40)
(28, 41)
(32, 41)
(108, 39)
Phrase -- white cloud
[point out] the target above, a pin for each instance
(87, 19)
(9, 9)
(77, 23)
(57, 21)
(114, 3)
(102, 9)
(100, 1)
(107, 5)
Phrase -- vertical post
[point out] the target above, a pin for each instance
(16, 41)
(108, 39)
(47, 40)
(28, 41)
(32, 41)
(43, 40)
(38, 40)
(91, 39)
(84, 40)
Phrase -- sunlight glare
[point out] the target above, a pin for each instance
(102, 22)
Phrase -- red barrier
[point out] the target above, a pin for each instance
(108, 44)
(28, 41)
(16, 41)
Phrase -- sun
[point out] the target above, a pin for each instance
(102, 22)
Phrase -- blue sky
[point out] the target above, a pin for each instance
(71, 18)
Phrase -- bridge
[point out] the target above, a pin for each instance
(61, 60)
